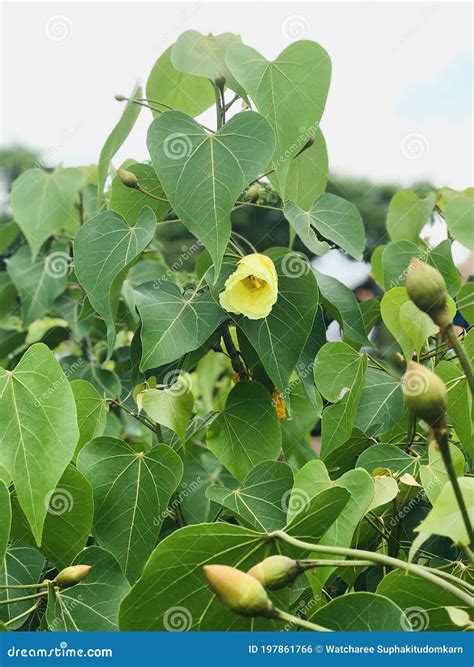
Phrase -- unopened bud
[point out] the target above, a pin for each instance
(120, 98)
(239, 591)
(426, 288)
(127, 178)
(276, 572)
(425, 394)
(219, 80)
(253, 193)
(72, 575)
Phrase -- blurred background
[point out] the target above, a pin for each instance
(399, 112)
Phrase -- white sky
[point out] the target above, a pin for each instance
(399, 107)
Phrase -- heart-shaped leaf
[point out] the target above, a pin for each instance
(170, 406)
(173, 323)
(104, 250)
(203, 174)
(290, 92)
(39, 431)
(260, 502)
(247, 430)
(131, 493)
(334, 218)
(93, 604)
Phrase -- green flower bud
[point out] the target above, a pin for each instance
(219, 80)
(253, 193)
(239, 591)
(120, 98)
(127, 178)
(72, 575)
(276, 572)
(427, 289)
(425, 394)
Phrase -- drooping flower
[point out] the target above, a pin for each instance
(252, 290)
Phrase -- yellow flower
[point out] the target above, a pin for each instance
(252, 289)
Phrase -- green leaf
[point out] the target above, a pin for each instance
(381, 404)
(459, 403)
(68, 522)
(445, 517)
(465, 302)
(104, 250)
(178, 90)
(290, 92)
(278, 345)
(21, 565)
(6, 513)
(93, 604)
(434, 475)
(115, 140)
(247, 431)
(131, 493)
(173, 323)
(441, 257)
(387, 456)
(418, 325)
(459, 216)
(170, 406)
(91, 412)
(335, 369)
(172, 593)
(338, 419)
(334, 218)
(362, 612)
(305, 414)
(204, 56)
(38, 282)
(408, 214)
(40, 429)
(128, 202)
(259, 502)
(44, 203)
(302, 224)
(424, 603)
(386, 489)
(307, 174)
(203, 174)
(341, 303)
(312, 516)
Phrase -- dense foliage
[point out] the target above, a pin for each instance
(157, 419)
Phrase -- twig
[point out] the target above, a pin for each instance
(233, 354)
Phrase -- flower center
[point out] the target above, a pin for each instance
(253, 283)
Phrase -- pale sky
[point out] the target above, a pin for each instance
(400, 102)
